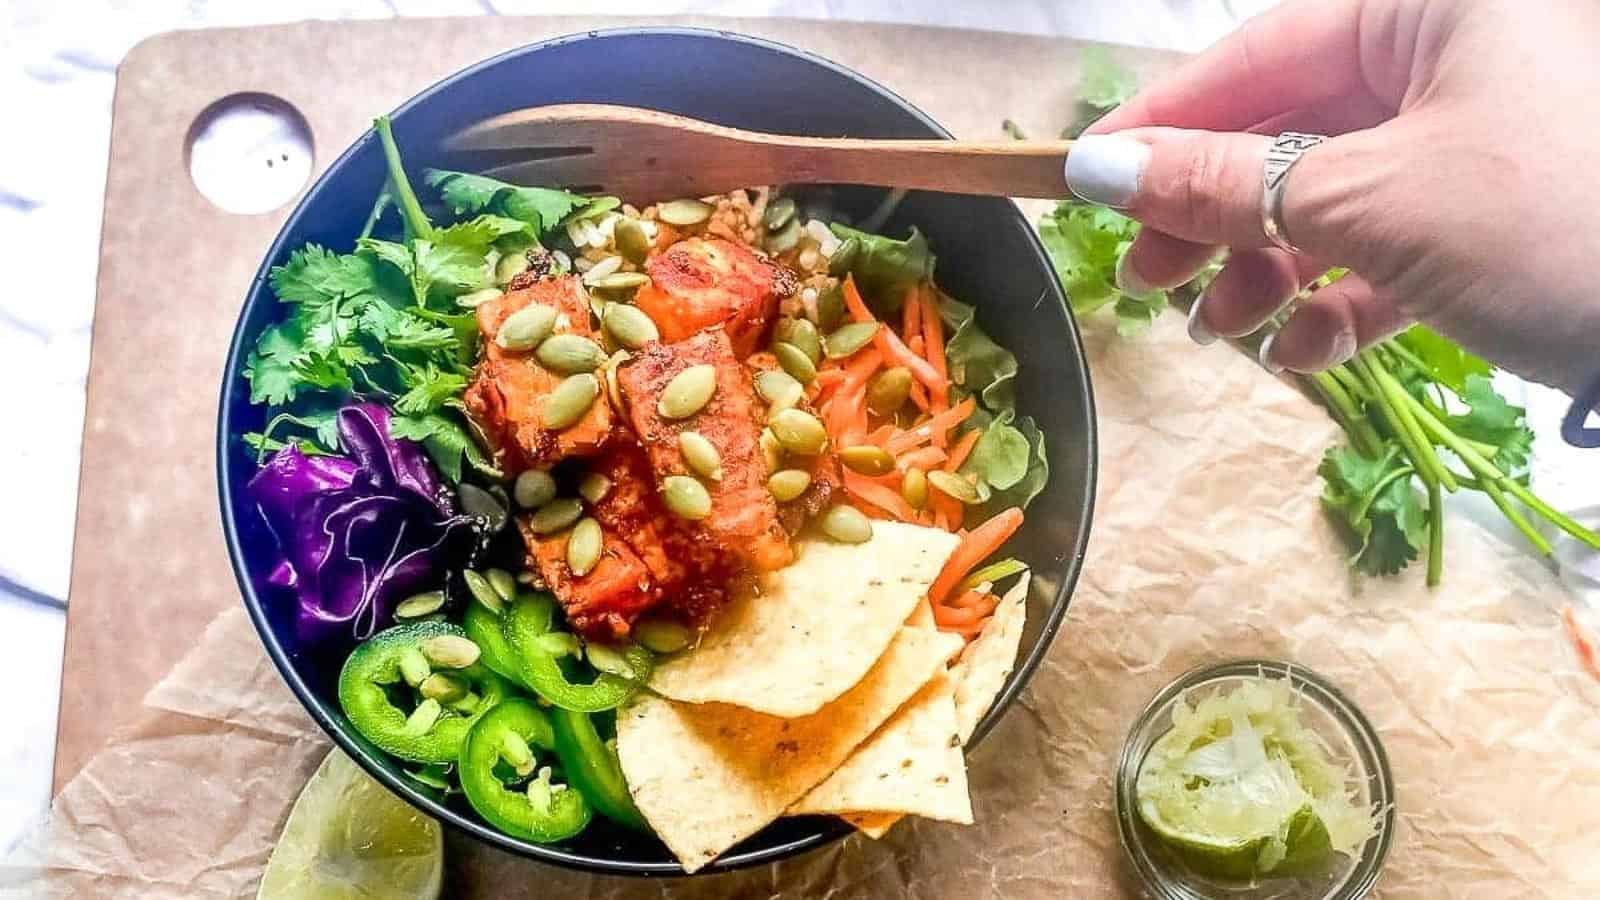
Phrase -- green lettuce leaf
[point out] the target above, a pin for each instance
(885, 268)
(975, 362)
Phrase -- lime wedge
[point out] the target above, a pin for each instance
(1239, 788)
(348, 838)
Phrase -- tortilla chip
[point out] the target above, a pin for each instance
(977, 678)
(922, 616)
(989, 660)
(912, 765)
(707, 776)
(814, 628)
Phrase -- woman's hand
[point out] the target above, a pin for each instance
(1460, 187)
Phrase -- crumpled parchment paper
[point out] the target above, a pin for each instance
(1208, 544)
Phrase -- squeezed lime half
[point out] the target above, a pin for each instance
(348, 838)
(1240, 788)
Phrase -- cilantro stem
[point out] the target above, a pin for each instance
(1492, 488)
(416, 221)
(1386, 409)
(1496, 483)
(1435, 535)
(1362, 434)
(1400, 402)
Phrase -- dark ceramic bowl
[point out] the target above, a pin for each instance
(988, 256)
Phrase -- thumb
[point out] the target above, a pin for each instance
(1205, 186)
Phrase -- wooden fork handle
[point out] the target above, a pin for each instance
(996, 168)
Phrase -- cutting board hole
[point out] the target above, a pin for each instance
(249, 153)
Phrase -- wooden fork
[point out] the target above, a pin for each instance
(644, 155)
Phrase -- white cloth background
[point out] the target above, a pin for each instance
(58, 65)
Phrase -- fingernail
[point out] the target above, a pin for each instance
(1340, 349)
(1105, 169)
(1128, 279)
(1198, 332)
(1264, 356)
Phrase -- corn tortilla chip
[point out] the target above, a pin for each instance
(707, 776)
(977, 677)
(912, 765)
(814, 628)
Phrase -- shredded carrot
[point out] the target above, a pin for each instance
(880, 436)
(860, 371)
(941, 519)
(846, 415)
(968, 631)
(919, 396)
(943, 422)
(950, 615)
(1583, 641)
(925, 458)
(976, 599)
(949, 509)
(890, 344)
(962, 449)
(915, 345)
(911, 316)
(933, 334)
(881, 496)
(977, 546)
(827, 378)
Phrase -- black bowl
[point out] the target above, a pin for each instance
(988, 256)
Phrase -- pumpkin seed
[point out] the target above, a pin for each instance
(594, 487)
(602, 269)
(613, 389)
(502, 582)
(684, 212)
(799, 432)
(620, 281)
(888, 391)
(584, 547)
(533, 489)
(570, 401)
(510, 266)
(632, 242)
(844, 257)
(662, 635)
(847, 339)
(778, 214)
(914, 487)
(771, 450)
(686, 497)
(867, 459)
(610, 660)
(478, 298)
(779, 389)
(785, 239)
(788, 484)
(419, 605)
(449, 651)
(414, 666)
(555, 515)
(846, 524)
(423, 718)
(700, 455)
(570, 354)
(830, 308)
(443, 688)
(688, 392)
(795, 362)
(483, 592)
(629, 326)
(475, 501)
(526, 328)
(953, 485)
(802, 333)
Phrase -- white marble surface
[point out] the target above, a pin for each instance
(57, 71)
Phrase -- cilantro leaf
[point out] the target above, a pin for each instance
(1103, 85)
(428, 388)
(475, 235)
(449, 269)
(1085, 243)
(1492, 420)
(1445, 360)
(270, 366)
(1372, 499)
(402, 329)
(1135, 315)
(541, 208)
(314, 276)
(446, 441)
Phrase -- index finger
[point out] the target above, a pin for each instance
(1298, 55)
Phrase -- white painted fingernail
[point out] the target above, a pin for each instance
(1128, 279)
(1198, 332)
(1344, 347)
(1105, 169)
(1264, 355)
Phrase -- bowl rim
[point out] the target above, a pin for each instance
(554, 854)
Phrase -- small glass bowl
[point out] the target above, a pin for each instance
(1352, 742)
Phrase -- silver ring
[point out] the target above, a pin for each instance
(1286, 150)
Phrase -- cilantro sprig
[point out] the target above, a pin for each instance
(381, 321)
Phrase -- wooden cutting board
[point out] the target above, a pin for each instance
(149, 567)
